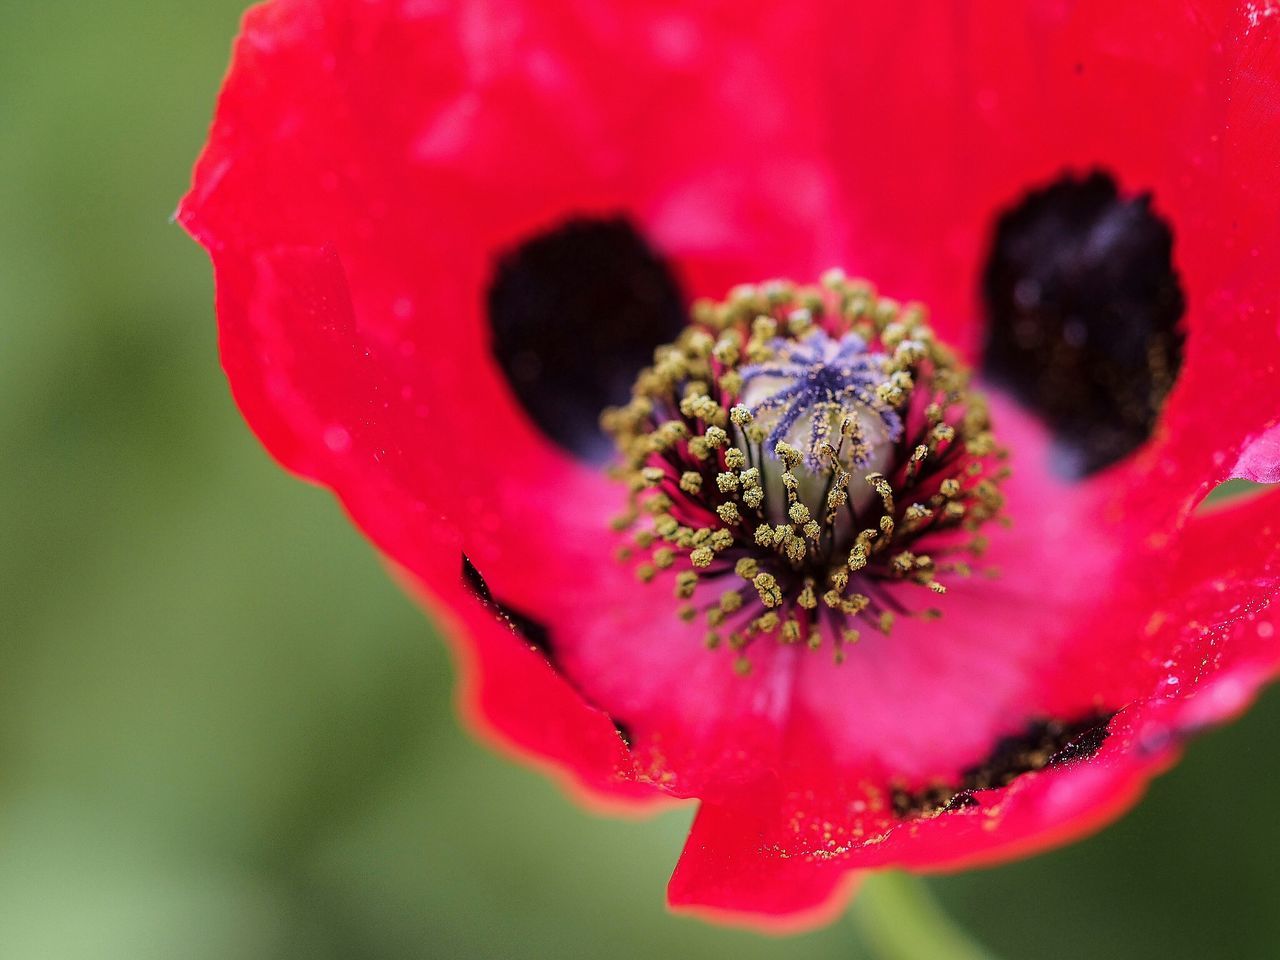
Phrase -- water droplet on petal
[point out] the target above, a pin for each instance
(337, 438)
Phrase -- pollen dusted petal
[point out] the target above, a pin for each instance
(727, 872)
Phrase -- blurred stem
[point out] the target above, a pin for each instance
(900, 920)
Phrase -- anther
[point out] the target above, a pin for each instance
(686, 583)
(767, 586)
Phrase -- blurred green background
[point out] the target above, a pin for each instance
(225, 734)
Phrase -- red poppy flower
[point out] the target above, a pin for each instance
(447, 234)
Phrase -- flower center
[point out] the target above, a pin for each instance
(800, 460)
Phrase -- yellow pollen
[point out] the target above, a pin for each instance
(767, 622)
(767, 586)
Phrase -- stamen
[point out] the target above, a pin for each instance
(817, 447)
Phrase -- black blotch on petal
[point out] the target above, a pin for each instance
(1083, 742)
(1044, 743)
(532, 631)
(624, 733)
(1083, 308)
(575, 313)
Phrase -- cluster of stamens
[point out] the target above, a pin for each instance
(795, 456)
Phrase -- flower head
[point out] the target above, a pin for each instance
(805, 541)
(448, 236)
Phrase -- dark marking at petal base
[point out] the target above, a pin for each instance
(1084, 308)
(624, 733)
(1045, 743)
(575, 313)
(532, 631)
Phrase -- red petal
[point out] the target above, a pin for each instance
(1172, 97)
(1198, 654)
(373, 377)
(512, 694)
(301, 370)
(414, 193)
(727, 874)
